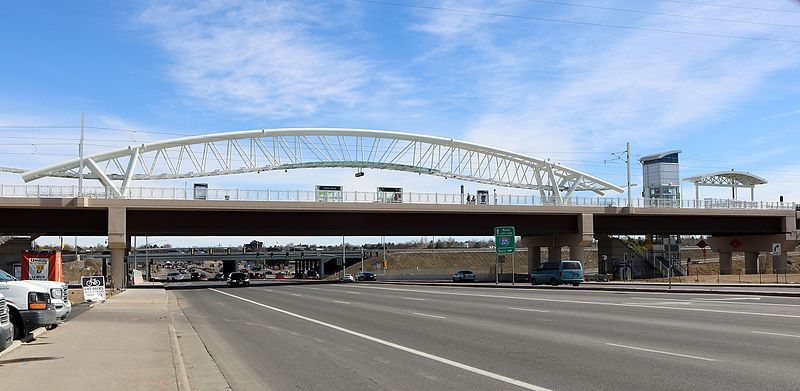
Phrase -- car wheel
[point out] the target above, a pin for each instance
(575, 283)
(19, 328)
(553, 281)
(50, 327)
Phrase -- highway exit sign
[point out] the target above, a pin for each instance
(504, 240)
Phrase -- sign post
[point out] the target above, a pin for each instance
(504, 243)
(94, 288)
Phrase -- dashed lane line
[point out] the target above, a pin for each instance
(446, 361)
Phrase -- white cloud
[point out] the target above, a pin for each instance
(274, 59)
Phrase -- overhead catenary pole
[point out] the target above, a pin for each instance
(80, 156)
(344, 257)
(628, 163)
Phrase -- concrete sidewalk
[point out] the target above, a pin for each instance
(122, 344)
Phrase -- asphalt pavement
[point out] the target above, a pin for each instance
(395, 337)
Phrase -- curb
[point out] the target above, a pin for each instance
(16, 344)
(195, 368)
(607, 289)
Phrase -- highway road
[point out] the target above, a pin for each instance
(394, 337)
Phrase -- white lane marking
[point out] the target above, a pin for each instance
(316, 289)
(526, 309)
(505, 379)
(429, 316)
(295, 294)
(776, 334)
(660, 352)
(355, 293)
(726, 298)
(590, 302)
(414, 298)
(341, 302)
(266, 290)
(664, 302)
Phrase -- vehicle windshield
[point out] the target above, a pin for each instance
(549, 266)
(6, 277)
(572, 266)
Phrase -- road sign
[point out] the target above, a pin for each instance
(94, 288)
(504, 240)
(776, 249)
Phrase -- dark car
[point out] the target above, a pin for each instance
(195, 276)
(238, 279)
(312, 274)
(218, 277)
(464, 275)
(366, 276)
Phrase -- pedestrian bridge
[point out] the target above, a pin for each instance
(284, 149)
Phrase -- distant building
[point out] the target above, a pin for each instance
(661, 176)
(254, 246)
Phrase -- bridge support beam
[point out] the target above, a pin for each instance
(780, 263)
(553, 253)
(751, 262)
(725, 262)
(118, 244)
(534, 258)
(577, 253)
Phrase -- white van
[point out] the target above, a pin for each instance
(29, 305)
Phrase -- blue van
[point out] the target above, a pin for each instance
(558, 272)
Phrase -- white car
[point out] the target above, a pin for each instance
(348, 278)
(29, 305)
(174, 276)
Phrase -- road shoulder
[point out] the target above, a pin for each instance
(194, 365)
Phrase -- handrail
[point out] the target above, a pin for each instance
(187, 193)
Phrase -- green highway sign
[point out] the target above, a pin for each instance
(504, 240)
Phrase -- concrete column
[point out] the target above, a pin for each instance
(779, 263)
(117, 243)
(321, 268)
(534, 258)
(577, 253)
(725, 262)
(554, 253)
(751, 262)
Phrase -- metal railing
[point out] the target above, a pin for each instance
(182, 193)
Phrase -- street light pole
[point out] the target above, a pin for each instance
(80, 170)
(628, 162)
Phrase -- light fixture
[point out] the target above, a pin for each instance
(359, 174)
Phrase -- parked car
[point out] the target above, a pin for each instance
(299, 275)
(238, 279)
(463, 275)
(194, 276)
(366, 276)
(203, 277)
(280, 276)
(6, 327)
(559, 272)
(174, 277)
(348, 278)
(268, 272)
(29, 305)
(311, 273)
(218, 277)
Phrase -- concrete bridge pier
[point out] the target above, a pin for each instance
(751, 262)
(577, 243)
(725, 262)
(780, 263)
(117, 244)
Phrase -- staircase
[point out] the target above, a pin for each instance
(644, 265)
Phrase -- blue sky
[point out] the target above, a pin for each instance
(546, 78)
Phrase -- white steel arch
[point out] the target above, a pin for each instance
(289, 148)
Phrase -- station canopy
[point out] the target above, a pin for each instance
(727, 179)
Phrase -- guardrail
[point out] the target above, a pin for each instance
(181, 193)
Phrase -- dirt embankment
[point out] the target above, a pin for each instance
(704, 264)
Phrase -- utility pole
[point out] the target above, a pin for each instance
(628, 162)
(80, 170)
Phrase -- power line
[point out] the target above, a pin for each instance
(567, 21)
(660, 13)
(732, 6)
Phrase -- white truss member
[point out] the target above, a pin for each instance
(283, 149)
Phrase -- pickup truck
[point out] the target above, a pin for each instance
(6, 328)
(59, 296)
(29, 305)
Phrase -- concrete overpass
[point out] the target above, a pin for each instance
(747, 230)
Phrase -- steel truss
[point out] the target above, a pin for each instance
(283, 149)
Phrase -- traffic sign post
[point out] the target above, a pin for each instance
(504, 243)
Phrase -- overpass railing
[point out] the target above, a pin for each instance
(181, 193)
